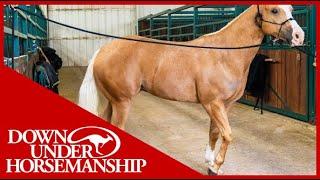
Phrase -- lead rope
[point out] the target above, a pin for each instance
(159, 42)
(45, 57)
(141, 40)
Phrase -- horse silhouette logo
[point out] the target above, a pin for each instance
(99, 141)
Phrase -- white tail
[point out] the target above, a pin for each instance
(88, 94)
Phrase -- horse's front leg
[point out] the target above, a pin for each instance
(213, 138)
(219, 124)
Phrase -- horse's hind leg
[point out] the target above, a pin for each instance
(107, 113)
(120, 111)
(218, 114)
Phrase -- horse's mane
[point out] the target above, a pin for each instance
(228, 25)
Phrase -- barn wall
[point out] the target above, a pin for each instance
(76, 47)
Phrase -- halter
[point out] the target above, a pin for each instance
(259, 15)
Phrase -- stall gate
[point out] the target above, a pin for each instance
(21, 33)
(292, 81)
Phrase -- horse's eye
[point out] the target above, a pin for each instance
(274, 11)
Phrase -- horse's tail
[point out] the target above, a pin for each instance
(88, 94)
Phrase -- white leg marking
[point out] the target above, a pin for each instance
(219, 172)
(209, 156)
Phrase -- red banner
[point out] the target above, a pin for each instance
(44, 135)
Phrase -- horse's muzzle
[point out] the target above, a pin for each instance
(293, 34)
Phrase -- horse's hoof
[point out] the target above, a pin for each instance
(211, 173)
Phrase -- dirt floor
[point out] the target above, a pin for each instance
(263, 144)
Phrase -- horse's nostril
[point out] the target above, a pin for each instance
(297, 36)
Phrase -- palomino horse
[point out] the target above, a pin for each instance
(212, 77)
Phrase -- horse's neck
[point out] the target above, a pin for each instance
(242, 31)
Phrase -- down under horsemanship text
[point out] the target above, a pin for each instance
(51, 152)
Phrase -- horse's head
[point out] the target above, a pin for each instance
(277, 20)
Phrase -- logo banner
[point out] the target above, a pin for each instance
(44, 135)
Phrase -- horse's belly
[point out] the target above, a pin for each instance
(175, 95)
(174, 87)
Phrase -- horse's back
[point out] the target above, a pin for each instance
(123, 67)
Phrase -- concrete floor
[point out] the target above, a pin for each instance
(263, 144)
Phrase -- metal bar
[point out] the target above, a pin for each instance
(205, 12)
(184, 12)
(297, 12)
(217, 6)
(158, 29)
(199, 6)
(181, 35)
(84, 9)
(310, 67)
(27, 40)
(35, 24)
(217, 16)
(195, 22)
(216, 12)
(144, 30)
(169, 22)
(8, 30)
(31, 36)
(22, 13)
(213, 23)
(161, 18)
(160, 13)
(144, 18)
(183, 26)
(159, 36)
(151, 26)
(179, 9)
(12, 37)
